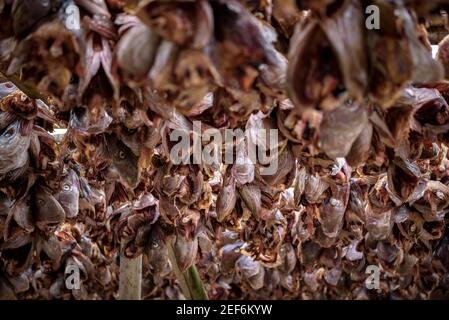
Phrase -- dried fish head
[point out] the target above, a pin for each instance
(185, 251)
(15, 140)
(135, 224)
(157, 252)
(48, 58)
(48, 213)
(86, 122)
(18, 225)
(181, 22)
(341, 127)
(68, 197)
(124, 160)
(396, 54)
(336, 48)
(434, 201)
(227, 197)
(136, 49)
(251, 271)
(403, 178)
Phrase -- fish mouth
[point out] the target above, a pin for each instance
(71, 210)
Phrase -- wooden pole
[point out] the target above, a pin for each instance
(130, 277)
(189, 281)
(130, 285)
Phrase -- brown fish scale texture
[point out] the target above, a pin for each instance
(92, 93)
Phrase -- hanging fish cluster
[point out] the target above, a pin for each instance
(40, 195)
(362, 119)
(30, 180)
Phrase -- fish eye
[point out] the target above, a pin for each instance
(121, 155)
(66, 187)
(9, 133)
(155, 245)
(334, 202)
(439, 194)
